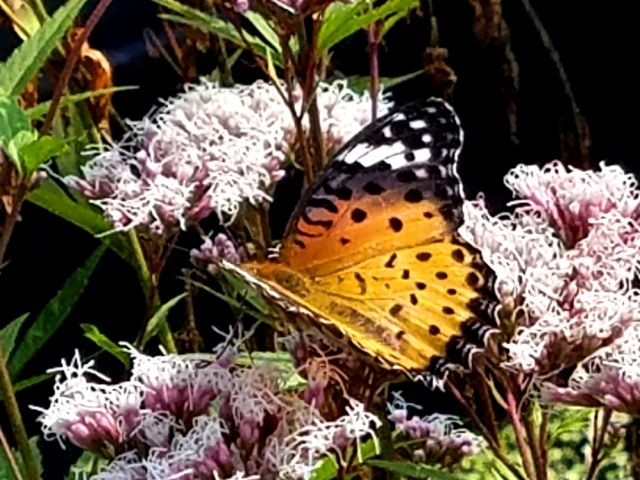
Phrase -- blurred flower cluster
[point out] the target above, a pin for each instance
(565, 261)
(436, 438)
(206, 151)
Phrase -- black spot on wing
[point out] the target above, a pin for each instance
(358, 215)
(395, 224)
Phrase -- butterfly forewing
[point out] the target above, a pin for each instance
(404, 165)
(371, 250)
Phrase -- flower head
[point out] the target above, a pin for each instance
(564, 261)
(96, 417)
(205, 152)
(212, 251)
(182, 386)
(608, 378)
(444, 441)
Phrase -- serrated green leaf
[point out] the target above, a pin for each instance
(34, 154)
(12, 120)
(53, 314)
(28, 58)
(17, 143)
(412, 470)
(209, 23)
(159, 317)
(80, 213)
(343, 20)
(94, 334)
(41, 109)
(9, 333)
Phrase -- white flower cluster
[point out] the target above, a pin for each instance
(206, 151)
(564, 260)
(199, 418)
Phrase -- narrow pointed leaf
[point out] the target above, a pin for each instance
(160, 317)
(9, 333)
(94, 334)
(28, 58)
(53, 314)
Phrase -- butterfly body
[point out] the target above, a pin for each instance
(371, 255)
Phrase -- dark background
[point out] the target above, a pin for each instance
(596, 42)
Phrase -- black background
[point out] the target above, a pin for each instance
(596, 42)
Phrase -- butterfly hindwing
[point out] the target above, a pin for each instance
(371, 251)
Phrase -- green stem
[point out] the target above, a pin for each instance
(150, 289)
(11, 458)
(143, 269)
(15, 419)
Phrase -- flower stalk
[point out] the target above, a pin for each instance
(15, 420)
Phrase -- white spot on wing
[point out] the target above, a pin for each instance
(422, 155)
(356, 153)
(418, 124)
(421, 173)
(367, 156)
(427, 138)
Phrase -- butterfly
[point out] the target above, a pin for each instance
(371, 257)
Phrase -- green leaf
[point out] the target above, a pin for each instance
(86, 466)
(94, 334)
(360, 84)
(5, 470)
(13, 120)
(568, 420)
(33, 445)
(412, 470)
(326, 469)
(41, 109)
(28, 58)
(54, 314)
(265, 29)
(34, 154)
(9, 333)
(159, 318)
(80, 213)
(209, 23)
(31, 381)
(343, 20)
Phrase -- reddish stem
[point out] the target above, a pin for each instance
(70, 64)
(522, 439)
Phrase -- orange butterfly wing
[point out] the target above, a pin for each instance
(371, 254)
